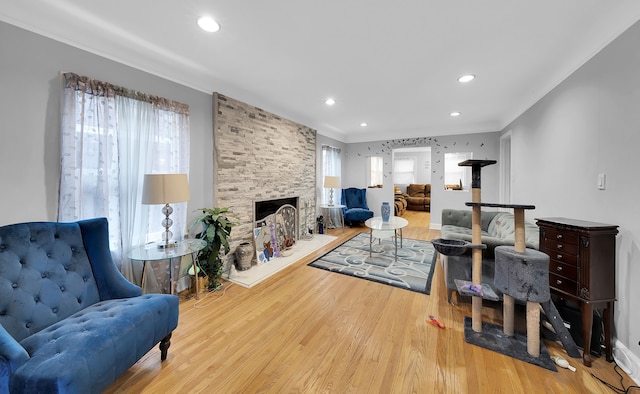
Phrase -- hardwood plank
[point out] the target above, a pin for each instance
(309, 330)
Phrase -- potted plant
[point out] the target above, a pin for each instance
(215, 230)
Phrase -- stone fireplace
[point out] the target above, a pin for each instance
(260, 157)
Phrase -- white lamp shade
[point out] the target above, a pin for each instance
(165, 188)
(331, 181)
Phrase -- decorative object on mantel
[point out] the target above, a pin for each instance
(331, 182)
(216, 229)
(386, 211)
(320, 221)
(165, 189)
(262, 241)
(244, 256)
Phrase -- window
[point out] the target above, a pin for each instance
(331, 166)
(375, 170)
(112, 136)
(404, 170)
(456, 177)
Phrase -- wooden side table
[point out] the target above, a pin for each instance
(582, 268)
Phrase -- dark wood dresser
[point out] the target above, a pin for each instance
(582, 269)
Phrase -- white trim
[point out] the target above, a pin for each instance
(506, 180)
(435, 226)
(629, 362)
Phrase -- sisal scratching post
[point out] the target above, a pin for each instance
(476, 237)
(476, 258)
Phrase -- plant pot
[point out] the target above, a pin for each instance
(203, 284)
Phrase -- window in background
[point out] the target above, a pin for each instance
(331, 166)
(376, 168)
(404, 170)
(456, 177)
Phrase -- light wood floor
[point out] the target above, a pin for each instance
(307, 330)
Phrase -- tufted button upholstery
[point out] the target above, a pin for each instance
(69, 321)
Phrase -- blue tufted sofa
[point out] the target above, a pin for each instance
(69, 321)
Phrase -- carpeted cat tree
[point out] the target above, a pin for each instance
(521, 274)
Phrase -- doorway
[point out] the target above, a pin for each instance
(505, 168)
(412, 165)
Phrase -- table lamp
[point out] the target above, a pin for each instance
(165, 189)
(331, 182)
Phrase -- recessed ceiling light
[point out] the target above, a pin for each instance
(329, 101)
(364, 124)
(454, 114)
(466, 78)
(208, 24)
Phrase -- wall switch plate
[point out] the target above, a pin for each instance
(602, 181)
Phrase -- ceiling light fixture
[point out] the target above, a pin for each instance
(364, 124)
(454, 114)
(208, 24)
(466, 78)
(329, 101)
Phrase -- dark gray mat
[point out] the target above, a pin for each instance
(492, 337)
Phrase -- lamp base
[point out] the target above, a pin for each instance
(169, 245)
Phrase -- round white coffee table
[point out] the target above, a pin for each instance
(382, 228)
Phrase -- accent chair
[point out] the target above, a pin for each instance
(356, 209)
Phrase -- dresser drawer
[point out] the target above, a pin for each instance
(552, 245)
(561, 257)
(562, 283)
(561, 236)
(565, 270)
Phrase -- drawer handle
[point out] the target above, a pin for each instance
(559, 269)
(559, 246)
(558, 282)
(559, 236)
(559, 257)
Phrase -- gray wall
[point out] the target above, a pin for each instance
(587, 125)
(483, 146)
(30, 67)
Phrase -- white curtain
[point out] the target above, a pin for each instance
(111, 137)
(332, 166)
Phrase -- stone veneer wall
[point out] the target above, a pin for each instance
(260, 156)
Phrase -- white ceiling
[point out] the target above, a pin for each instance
(392, 64)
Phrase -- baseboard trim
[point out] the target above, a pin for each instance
(435, 226)
(628, 361)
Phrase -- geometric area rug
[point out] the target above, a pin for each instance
(413, 270)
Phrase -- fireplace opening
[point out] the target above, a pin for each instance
(262, 209)
(277, 220)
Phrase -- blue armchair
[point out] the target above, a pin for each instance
(356, 209)
(69, 321)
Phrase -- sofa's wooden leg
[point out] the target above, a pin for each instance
(164, 347)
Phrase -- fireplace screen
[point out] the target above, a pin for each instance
(285, 218)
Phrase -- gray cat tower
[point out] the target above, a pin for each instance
(521, 274)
